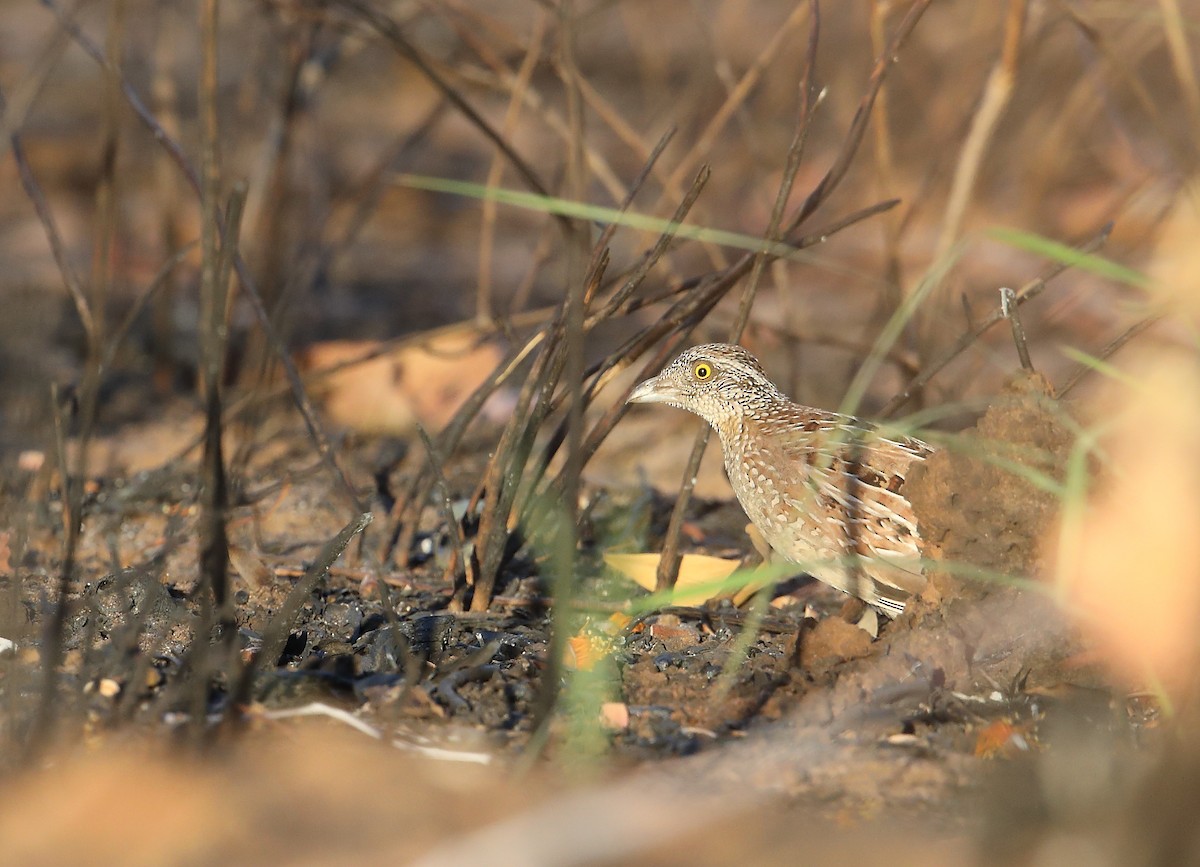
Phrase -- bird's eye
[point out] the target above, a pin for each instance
(702, 371)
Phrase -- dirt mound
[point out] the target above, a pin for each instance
(978, 501)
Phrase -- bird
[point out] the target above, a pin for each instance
(824, 489)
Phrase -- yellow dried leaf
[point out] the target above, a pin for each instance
(618, 621)
(694, 569)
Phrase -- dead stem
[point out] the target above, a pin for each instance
(668, 564)
(996, 93)
(1111, 349)
(487, 232)
(1008, 306)
(1026, 293)
(87, 397)
(246, 281)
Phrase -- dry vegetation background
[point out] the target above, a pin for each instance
(1071, 121)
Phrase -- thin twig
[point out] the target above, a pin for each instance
(1111, 349)
(668, 564)
(885, 169)
(388, 29)
(487, 232)
(1008, 306)
(248, 285)
(1026, 293)
(455, 568)
(750, 78)
(58, 250)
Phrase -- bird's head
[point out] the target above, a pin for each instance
(716, 381)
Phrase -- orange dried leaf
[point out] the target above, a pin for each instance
(425, 382)
(993, 739)
(582, 653)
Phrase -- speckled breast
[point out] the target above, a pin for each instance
(777, 507)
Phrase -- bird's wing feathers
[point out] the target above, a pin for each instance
(856, 477)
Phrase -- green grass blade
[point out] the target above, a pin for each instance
(596, 213)
(1070, 256)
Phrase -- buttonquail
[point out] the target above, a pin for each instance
(824, 489)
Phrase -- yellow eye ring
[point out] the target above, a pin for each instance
(702, 371)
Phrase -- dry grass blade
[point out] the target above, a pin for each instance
(483, 295)
(862, 116)
(597, 375)
(418, 493)
(455, 569)
(92, 314)
(503, 478)
(750, 78)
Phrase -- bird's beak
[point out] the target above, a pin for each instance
(653, 391)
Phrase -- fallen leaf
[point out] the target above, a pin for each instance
(424, 382)
(582, 652)
(694, 570)
(1000, 738)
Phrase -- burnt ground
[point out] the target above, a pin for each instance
(976, 728)
(797, 702)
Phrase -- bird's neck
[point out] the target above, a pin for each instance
(739, 418)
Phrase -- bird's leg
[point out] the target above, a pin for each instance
(862, 615)
(765, 553)
(759, 543)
